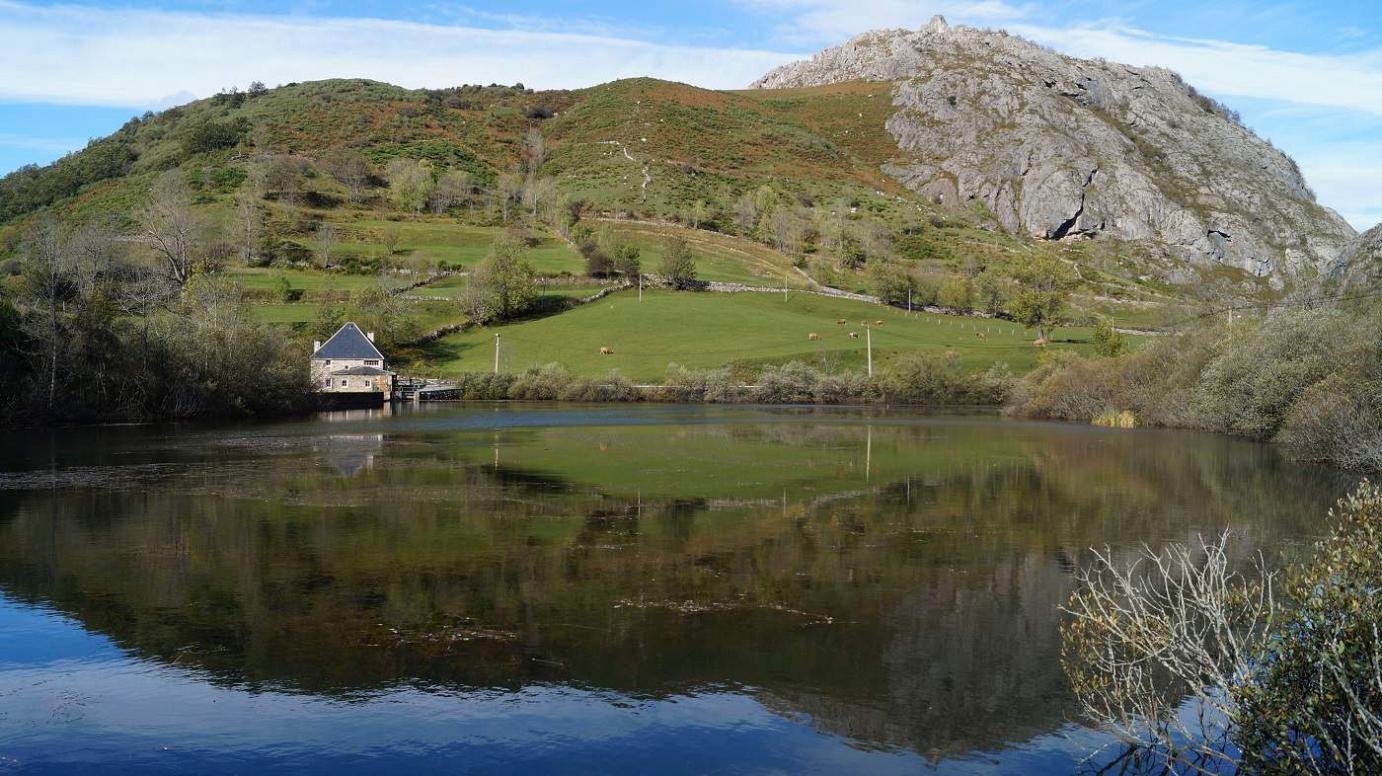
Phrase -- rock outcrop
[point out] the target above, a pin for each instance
(1360, 268)
(1057, 146)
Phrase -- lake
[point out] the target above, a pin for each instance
(556, 589)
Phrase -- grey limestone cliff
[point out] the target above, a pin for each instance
(1056, 147)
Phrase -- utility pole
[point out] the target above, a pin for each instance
(640, 286)
(784, 287)
(909, 300)
(868, 338)
(496, 352)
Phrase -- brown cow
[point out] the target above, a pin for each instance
(606, 351)
(813, 336)
(877, 323)
(841, 322)
(981, 335)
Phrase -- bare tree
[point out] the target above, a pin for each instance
(350, 170)
(540, 192)
(326, 240)
(168, 225)
(453, 187)
(284, 175)
(510, 188)
(1155, 647)
(45, 248)
(390, 239)
(249, 222)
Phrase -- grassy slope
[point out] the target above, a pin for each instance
(747, 330)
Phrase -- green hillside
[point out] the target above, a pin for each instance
(310, 204)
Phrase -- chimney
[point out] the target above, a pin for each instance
(316, 345)
(370, 335)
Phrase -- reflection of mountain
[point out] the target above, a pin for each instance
(920, 613)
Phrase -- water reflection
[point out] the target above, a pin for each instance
(887, 580)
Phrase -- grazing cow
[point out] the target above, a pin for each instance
(606, 351)
(1040, 342)
(877, 323)
(841, 322)
(981, 335)
(951, 355)
(854, 335)
(813, 336)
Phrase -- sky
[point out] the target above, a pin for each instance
(1305, 75)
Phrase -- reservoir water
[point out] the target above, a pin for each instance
(554, 589)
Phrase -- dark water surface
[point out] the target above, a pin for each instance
(568, 589)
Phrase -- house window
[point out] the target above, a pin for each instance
(328, 362)
(344, 383)
(373, 362)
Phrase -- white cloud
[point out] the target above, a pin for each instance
(1353, 82)
(829, 21)
(94, 56)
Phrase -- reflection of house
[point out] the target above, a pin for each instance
(350, 363)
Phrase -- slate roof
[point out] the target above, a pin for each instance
(348, 342)
(360, 371)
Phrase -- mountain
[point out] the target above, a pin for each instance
(1056, 146)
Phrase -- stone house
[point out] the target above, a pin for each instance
(349, 362)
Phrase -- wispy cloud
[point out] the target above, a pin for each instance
(130, 57)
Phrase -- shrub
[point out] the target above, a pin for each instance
(540, 383)
(932, 379)
(611, 388)
(689, 385)
(789, 383)
(1314, 704)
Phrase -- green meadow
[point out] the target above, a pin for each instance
(745, 331)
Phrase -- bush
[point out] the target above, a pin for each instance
(1315, 702)
(689, 385)
(1208, 668)
(789, 383)
(613, 388)
(930, 379)
(540, 383)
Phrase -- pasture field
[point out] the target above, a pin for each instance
(307, 280)
(444, 239)
(745, 331)
(718, 257)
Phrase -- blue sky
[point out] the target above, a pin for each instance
(1307, 75)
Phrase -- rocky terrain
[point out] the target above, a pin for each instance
(1059, 147)
(1360, 267)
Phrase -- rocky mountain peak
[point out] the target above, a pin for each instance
(1059, 147)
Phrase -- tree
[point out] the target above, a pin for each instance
(390, 238)
(249, 222)
(326, 240)
(890, 282)
(285, 175)
(678, 265)
(539, 192)
(509, 189)
(508, 278)
(1045, 284)
(788, 230)
(1108, 341)
(168, 225)
(453, 188)
(410, 183)
(388, 315)
(698, 213)
(349, 169)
